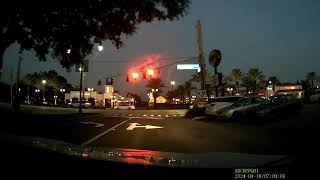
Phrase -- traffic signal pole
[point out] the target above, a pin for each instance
(201, 55)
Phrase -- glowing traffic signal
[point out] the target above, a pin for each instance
(150, 72)
(135, 75)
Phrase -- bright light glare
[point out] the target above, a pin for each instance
(173, 83)
(135, 75)
(100, 48)
(44, 81)
(150, 72)
(68, 51)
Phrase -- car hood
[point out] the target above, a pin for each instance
(147, 157)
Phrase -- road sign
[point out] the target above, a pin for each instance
(136, 125)
(188, 66)
(93, 123)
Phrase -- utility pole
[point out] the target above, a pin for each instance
(81, 79)
(11, 86)
(16, 101)
(201, 55)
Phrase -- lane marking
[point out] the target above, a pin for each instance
(93, 123)
(145, 118)
(103, 133)
(136, 125)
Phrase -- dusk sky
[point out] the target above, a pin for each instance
(280, 37)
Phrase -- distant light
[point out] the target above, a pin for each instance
(173, 83)
(19, 89)
(44, 81)
(317, 87)
(100, 48)
(68, 51)
(292, 87)
(80, 69)
(270, 82)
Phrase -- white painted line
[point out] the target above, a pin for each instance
(93, 123)
(102, 134)
(145, 118)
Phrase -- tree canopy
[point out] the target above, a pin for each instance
(52, 30)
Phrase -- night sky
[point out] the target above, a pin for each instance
(282, 38)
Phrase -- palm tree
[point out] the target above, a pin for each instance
(188, 88)
(311, 77)
(236, 77)
(254, 76)
(246, 83)
(197, 76)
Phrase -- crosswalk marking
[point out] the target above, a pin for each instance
(141, 115)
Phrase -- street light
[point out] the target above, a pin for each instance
(172, 84)
(44, 83)
(55, 99)
(100, 48)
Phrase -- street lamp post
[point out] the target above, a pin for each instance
(172, 84)
(43, 89)
(62, 91)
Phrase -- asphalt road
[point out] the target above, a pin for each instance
(173, 133)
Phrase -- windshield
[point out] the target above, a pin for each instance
(163, 76)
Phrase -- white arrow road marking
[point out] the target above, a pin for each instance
(94, 123)
(135, 125)
(103, 133)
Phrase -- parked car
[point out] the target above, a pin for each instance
(242, 109)
(84, 104)
(215, 104)
(315, 96)
(279, 105)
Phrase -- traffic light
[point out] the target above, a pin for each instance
(144, 75)
(127, 78)
(157, 70)
(135, 75)
(150, 72)
(111, 82)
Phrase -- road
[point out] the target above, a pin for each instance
(171, 133)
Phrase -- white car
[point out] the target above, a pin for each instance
(315, 97)
(124, 107)
(243, 108)
(215, 104)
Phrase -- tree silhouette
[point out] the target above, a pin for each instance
(56, 27)
(254, 76)
(311, 78)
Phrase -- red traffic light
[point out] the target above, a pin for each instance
(150, 72)
(135, 75)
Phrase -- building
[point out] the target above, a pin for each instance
(108, 99)
(293, 89)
